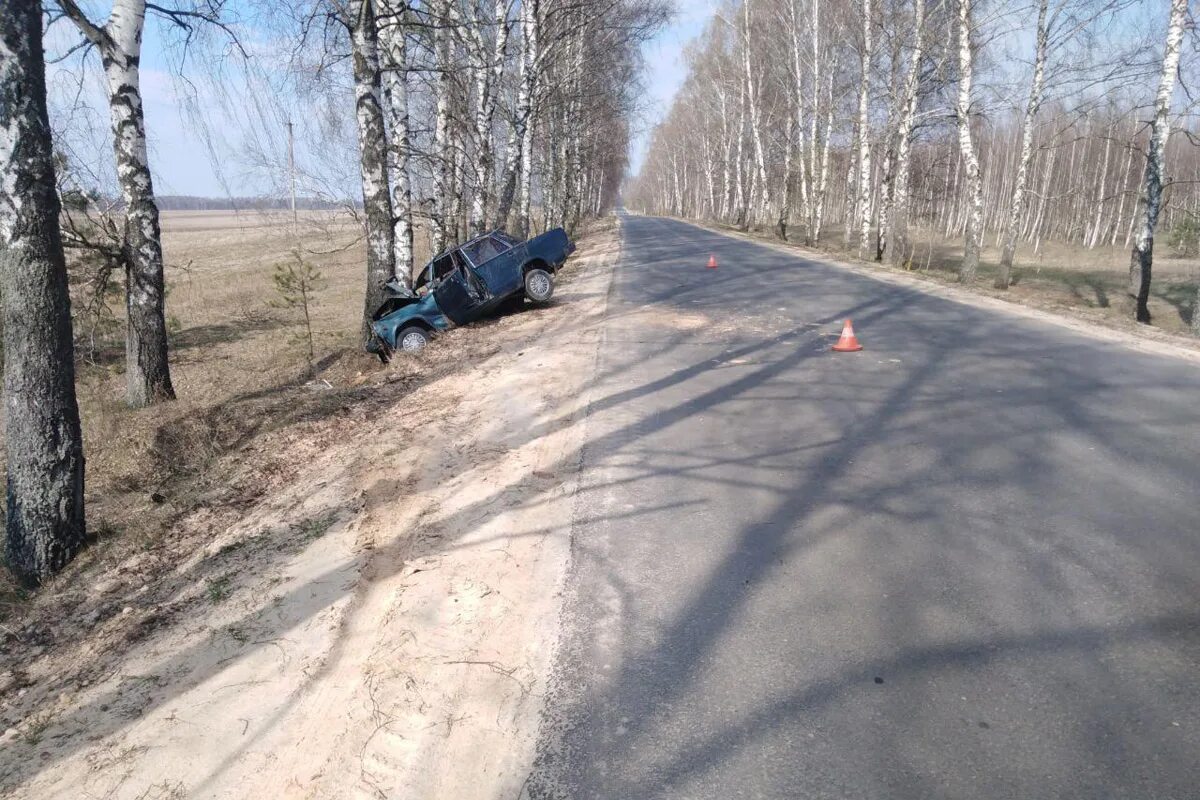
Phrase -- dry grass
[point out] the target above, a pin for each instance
(165, 483)
(238, 369)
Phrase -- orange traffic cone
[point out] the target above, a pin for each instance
(712, 262)
(848, 343)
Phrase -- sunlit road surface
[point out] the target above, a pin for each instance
(962, 563)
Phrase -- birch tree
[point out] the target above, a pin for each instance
(393, 38)
(489, 68)
(952, 158)
(759, 206)
(1004, 275)
(516, 164)
(119, 43)
(895, 249)
(359, 18)
(1142, 257)
(44, 524)
(863, 201)
(973, 238)
(527, 106)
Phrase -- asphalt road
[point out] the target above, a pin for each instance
(962, 563)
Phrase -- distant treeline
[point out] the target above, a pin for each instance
(183, 202)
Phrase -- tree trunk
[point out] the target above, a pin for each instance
(810, 235)
(458, 175)
(487, 80)
(119, 42)
(1142, 257)
(372, 155)
(727, 146)
(895, 245)
(1127, 178)
(798, 83)
(863, 205)
(1101, 190)
(392, 38)
(443, 156)
(512, 163)
(1196, 311)
(1004, 276)
(974, 184)
(527, 108)
(759, 209)
(823, 173)
(786, 194)
(739, 202)
(45, 520)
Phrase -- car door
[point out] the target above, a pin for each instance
(495, 264)
(454, 295)
(459, 294)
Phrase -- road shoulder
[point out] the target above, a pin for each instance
(396, 641)
(1147, 340)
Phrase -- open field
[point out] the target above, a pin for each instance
(237, 364)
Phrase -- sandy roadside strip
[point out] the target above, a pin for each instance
(403, 651)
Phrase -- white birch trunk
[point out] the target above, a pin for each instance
(895, 246)
(823, 172)
(1142, 257)
(44, 523)
(119, 42)
(1101, 189)
(443, 157)
(727, 144)
(487, 80)
(372, 155)
(798, 87)
(527, 108)
(758, 212)
(815, 39)
(392, 36)
(974, 184)
(1012, 225)
(786, 190)
(864, 134)
(739, 189)
(1126, 180)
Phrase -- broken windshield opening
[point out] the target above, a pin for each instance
(483, 250)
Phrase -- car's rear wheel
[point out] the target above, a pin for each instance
(539, 285)
(412, 339)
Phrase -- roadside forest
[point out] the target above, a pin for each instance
(383, 132)
(971, 137)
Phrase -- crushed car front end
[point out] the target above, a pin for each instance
(399, 314)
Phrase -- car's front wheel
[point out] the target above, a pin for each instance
(539, 285)
(412, 339)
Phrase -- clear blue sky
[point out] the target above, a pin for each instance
(665, 69)
(182, 165)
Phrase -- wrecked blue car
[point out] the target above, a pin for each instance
(463, 284)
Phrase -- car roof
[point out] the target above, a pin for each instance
(419, 274)
(450, 250)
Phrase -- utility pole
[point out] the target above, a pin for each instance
(292, 176)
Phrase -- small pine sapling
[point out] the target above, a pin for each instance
(296, 280)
